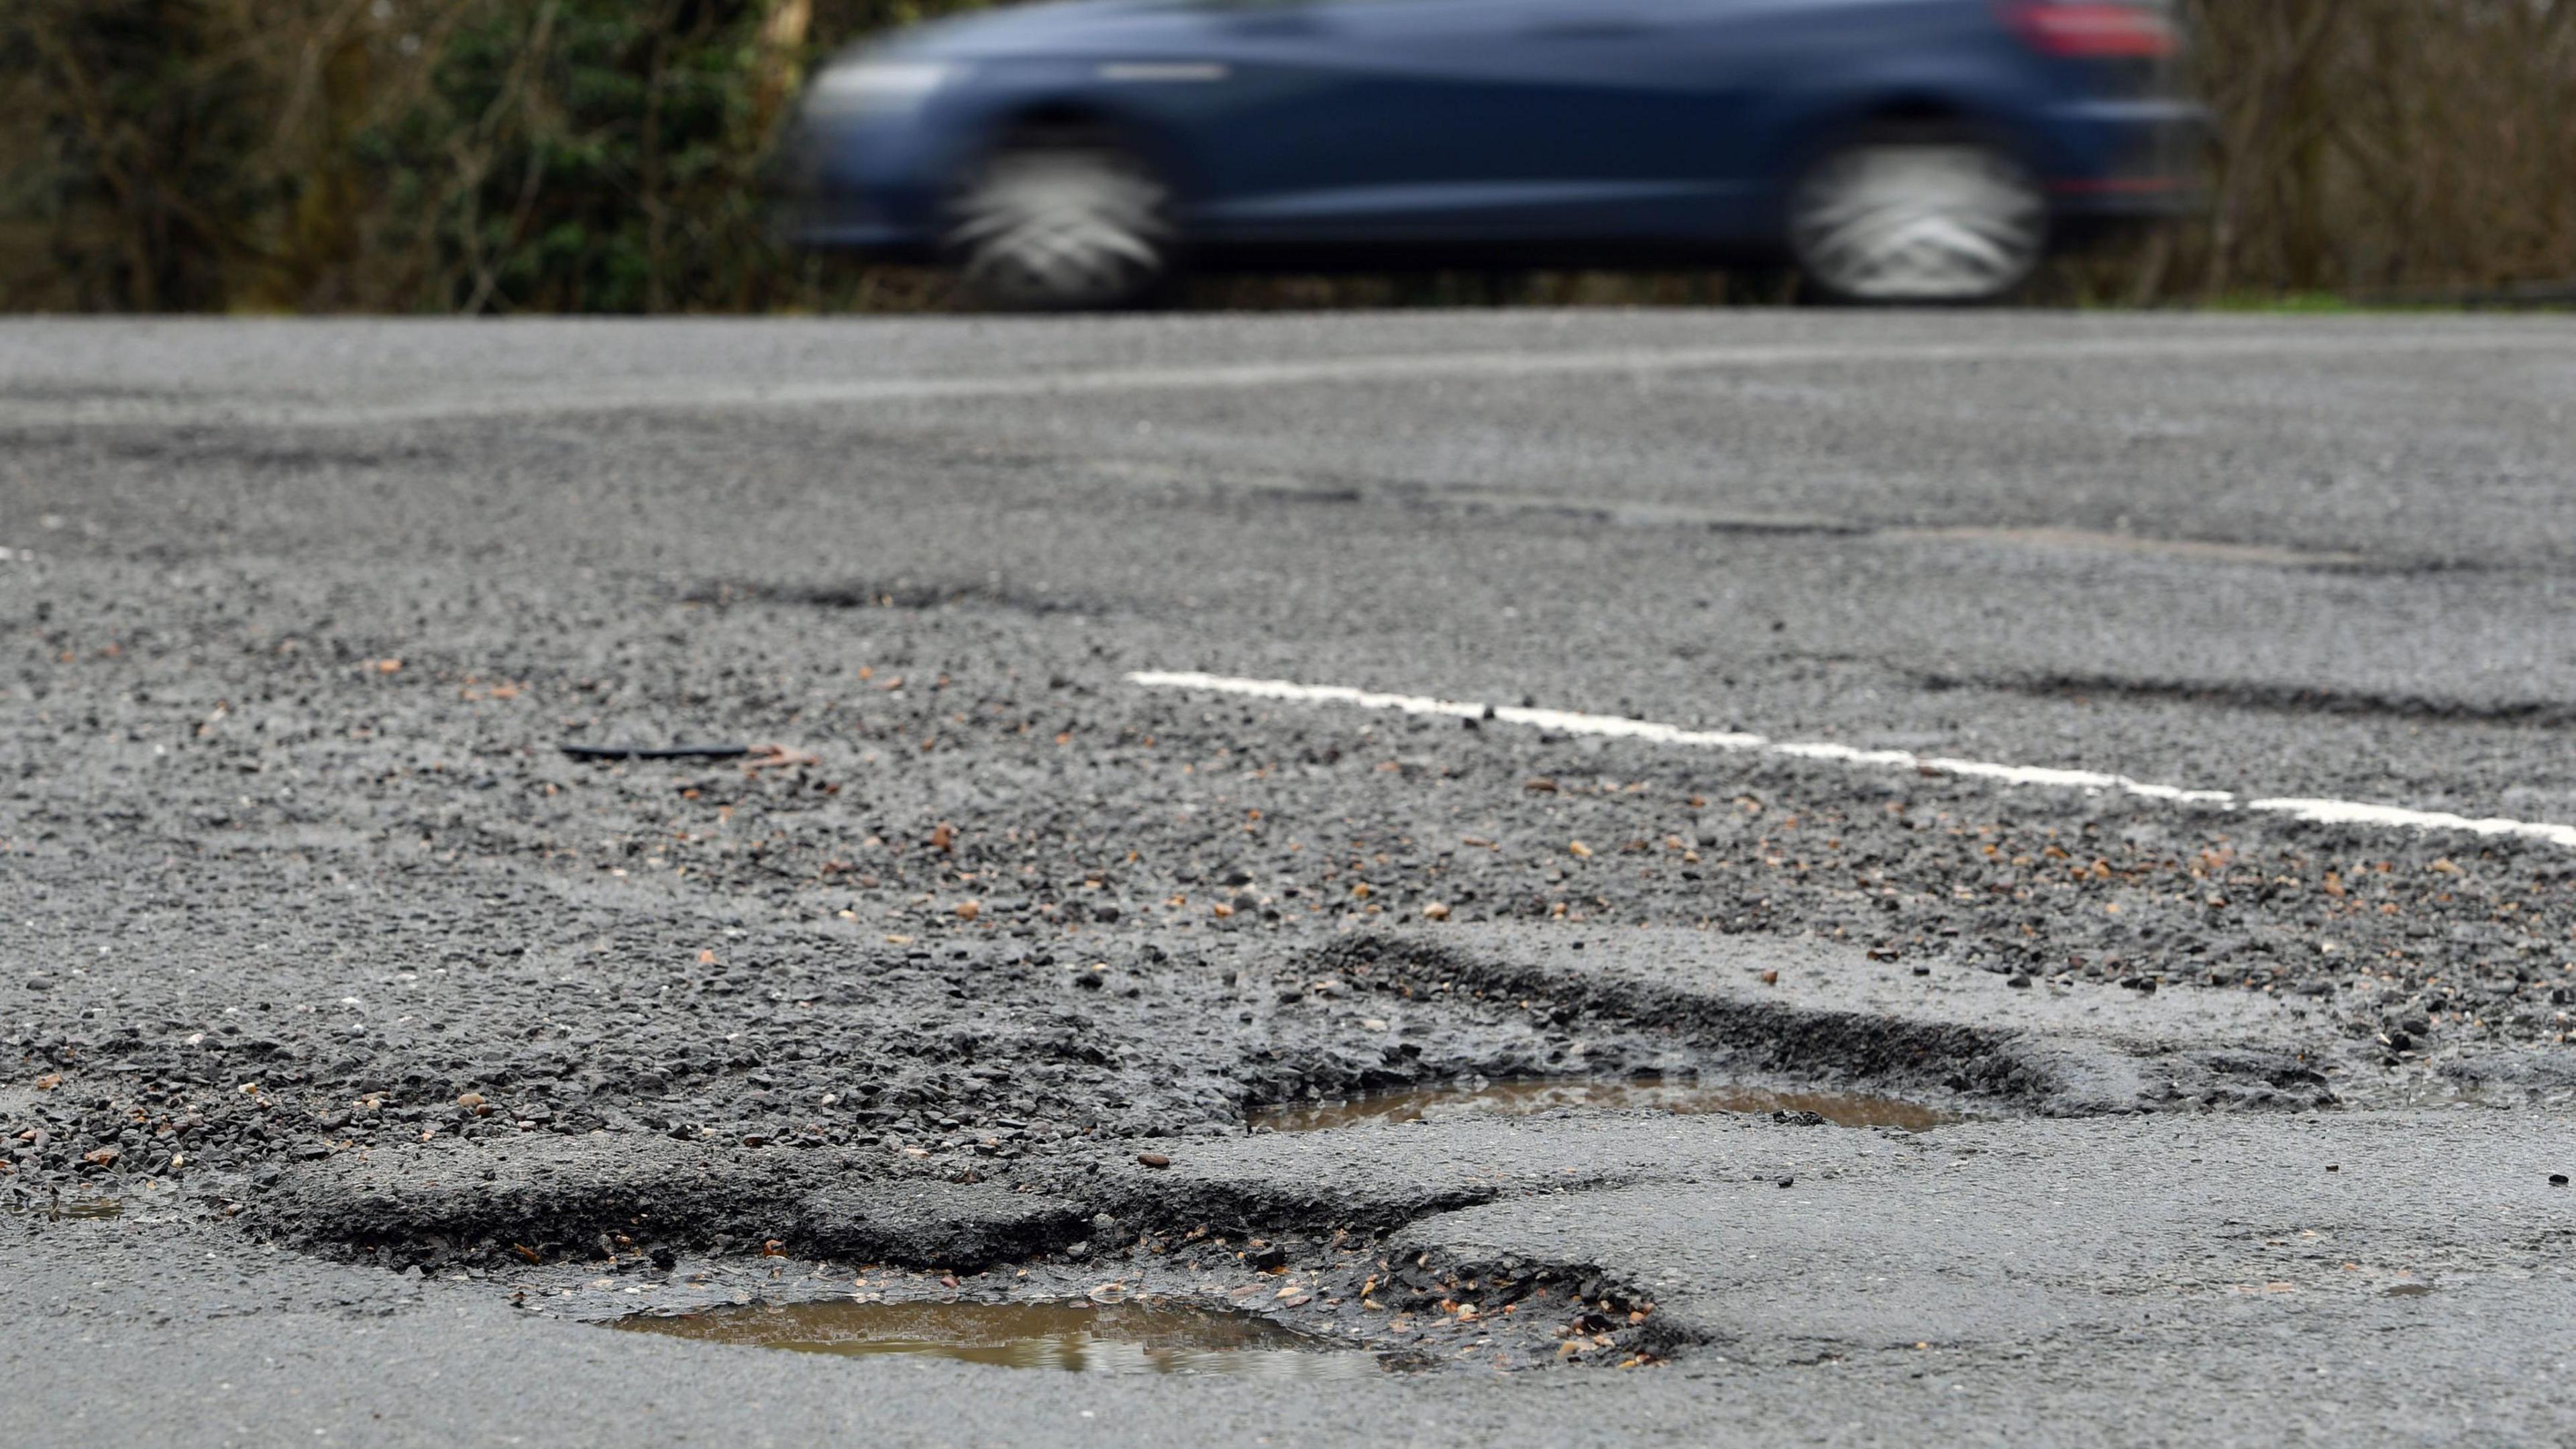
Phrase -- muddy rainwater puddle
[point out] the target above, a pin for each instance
(1117, 1338)
(1521, 1098)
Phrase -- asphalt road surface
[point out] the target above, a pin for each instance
(2141, 743)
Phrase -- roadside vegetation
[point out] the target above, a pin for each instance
(441, 156)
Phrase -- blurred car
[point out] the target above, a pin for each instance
(1077, 154)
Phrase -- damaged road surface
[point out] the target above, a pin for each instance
(1916, 879)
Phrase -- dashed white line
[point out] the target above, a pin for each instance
(2327, 812)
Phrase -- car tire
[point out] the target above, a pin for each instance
(1917, 219)
(1062, 222)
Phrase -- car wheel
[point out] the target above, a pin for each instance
(1945, 221)
(1061, 224)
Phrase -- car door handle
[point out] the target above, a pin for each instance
(1274, 22)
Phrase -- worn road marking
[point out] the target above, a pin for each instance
(528, 399)
(2328, 812)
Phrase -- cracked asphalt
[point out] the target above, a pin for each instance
(410, 1049)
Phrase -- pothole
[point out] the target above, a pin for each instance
(1147, 1337)
(1522, 1097)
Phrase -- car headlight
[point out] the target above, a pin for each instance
(876, 85)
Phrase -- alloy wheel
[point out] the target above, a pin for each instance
(1061, 228)
(1918, 222)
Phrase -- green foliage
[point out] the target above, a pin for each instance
(402, 155)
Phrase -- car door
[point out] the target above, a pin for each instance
(1504, 120)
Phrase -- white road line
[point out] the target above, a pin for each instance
(2328, 812)
(532, 400)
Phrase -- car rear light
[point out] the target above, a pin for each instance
(2093, 29)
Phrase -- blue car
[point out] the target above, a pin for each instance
(1077, 155)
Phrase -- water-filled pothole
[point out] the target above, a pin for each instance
(1115, 1338)
(1519, 1098)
